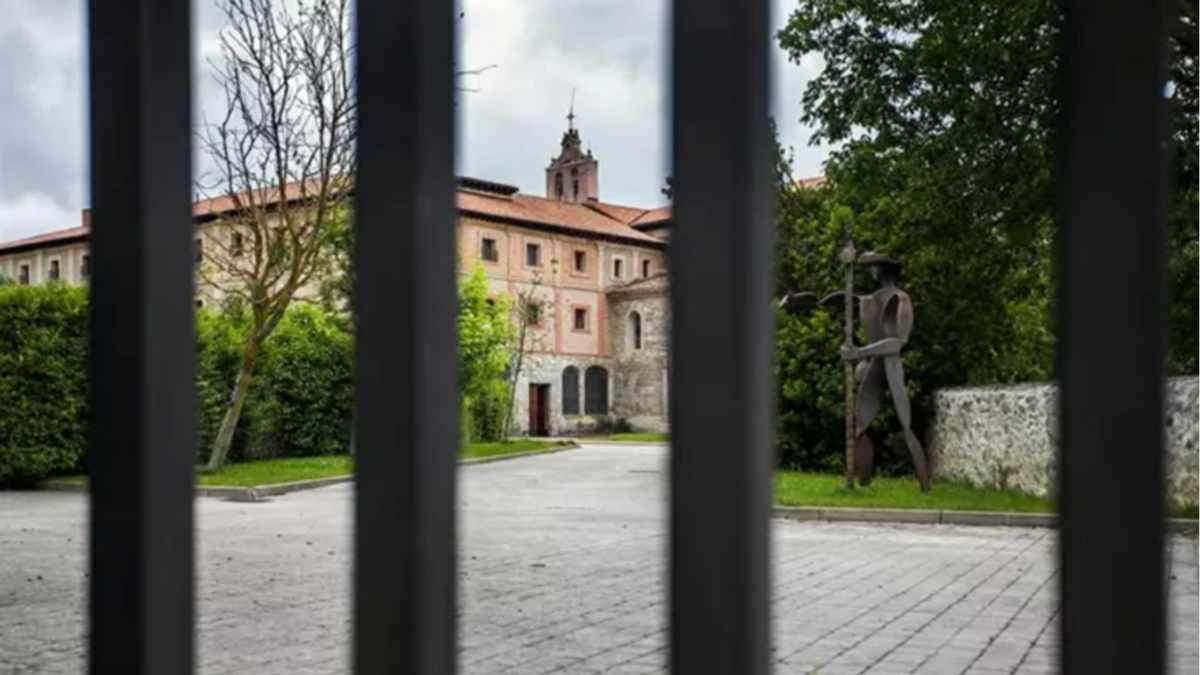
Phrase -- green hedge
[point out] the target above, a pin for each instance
(300, 402)
(301, 398)
(43, 382)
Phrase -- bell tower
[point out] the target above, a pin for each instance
(573, 176)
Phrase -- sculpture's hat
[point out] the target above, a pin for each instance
(880, 259)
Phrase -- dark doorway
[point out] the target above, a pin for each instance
(539, 410)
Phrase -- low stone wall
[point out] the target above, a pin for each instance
(1007, 437)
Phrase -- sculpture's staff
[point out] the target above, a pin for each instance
(847, 256)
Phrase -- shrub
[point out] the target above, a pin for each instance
(43, 382)
(300, 400)
(306, 385)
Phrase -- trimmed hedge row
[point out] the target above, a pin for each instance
(300, 402)
(43, 382)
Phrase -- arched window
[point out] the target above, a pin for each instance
(570, 391)
(595, 391)
(635, 330)
(558, 185)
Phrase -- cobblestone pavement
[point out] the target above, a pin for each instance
(562, 563)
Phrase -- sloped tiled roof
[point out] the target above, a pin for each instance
(633, 216)
(578, 218)
(481, 199)
(47, 239)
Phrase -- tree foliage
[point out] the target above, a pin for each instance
(485, 336)
(943, 114)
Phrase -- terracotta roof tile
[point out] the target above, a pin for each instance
(594, 218)
(566, 215)
(660, 215)
(45, 239)
(622, 214)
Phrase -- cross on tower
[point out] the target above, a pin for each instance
(571, 112)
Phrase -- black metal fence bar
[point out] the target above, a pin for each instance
(722, 337)
(141, 445)
(1112, 337)
(406, 385)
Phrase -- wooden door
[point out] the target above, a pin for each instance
(539, 410)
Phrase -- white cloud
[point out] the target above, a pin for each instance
(33, 213)
(612, 52)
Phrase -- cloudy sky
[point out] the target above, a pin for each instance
(612, 52)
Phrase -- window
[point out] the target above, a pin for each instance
(488, 250)
(581, 319)
(618, 268)
(581, 261)
(645, 268)
(533, 255)
(237, 245)
(570, 391)
(55, 272)
(635, 330)
(558, 185)
(85, 267)
(199, 250)
(595, 386)
(533, 313)
(23, 275)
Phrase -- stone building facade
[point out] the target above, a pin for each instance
(641, 348)
(591, 267)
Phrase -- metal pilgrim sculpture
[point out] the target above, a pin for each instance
(887, 320)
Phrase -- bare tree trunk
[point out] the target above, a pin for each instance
(512, 386)
(241, 388)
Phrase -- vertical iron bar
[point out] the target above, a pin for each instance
(1112, 328)
(722, 407)
(141, 445)
(406, 306)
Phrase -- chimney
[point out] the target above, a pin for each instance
(86, 219)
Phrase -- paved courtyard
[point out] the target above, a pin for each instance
(562, 564)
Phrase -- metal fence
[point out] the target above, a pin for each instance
(1111, 324)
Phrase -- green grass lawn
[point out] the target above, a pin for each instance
(635, 438)
(807, 489)
(291, 469)
(481, 450)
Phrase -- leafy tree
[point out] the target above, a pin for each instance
(485, 336)
(942, 114)
(945, 112)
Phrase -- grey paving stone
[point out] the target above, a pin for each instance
(562, 560)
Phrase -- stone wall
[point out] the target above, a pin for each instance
(1007, 437)
(640, 367)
